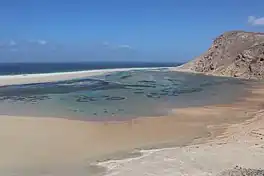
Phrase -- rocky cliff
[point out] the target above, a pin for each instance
(234, 53)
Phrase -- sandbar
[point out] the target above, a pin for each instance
(6, 80)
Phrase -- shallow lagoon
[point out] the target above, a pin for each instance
(119, 95)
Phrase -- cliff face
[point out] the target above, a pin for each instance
(235, 53)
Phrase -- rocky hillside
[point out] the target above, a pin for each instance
(234, 53)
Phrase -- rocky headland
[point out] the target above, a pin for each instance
(234, 53)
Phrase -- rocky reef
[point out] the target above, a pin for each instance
(239, 171)
(234, 53)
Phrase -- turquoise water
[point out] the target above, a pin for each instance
(118, 96)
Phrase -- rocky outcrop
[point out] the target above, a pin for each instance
(238, 171)
(234, 53)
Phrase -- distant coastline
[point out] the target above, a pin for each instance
(49, 67)
(6, 80)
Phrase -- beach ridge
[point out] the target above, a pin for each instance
(6, 80)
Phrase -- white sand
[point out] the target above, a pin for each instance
(51, 77)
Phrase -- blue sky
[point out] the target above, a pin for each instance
(119, 30)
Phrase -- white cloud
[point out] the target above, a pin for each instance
(114, 46)
(254, 21)
(124, 46)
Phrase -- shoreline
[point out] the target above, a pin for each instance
(184, 70)
(52, 143)
(215, 154)
(219, 156)
(6, 80)
(34, 145)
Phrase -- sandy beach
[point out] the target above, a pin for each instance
(232, 148)
(55, 146)
(132, 88)
(6, 80)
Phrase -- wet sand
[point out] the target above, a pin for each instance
(28, 142)
(55, 146)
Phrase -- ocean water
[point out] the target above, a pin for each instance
(30, 68)
(119, 95)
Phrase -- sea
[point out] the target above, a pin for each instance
(33, 68)
(121, 95)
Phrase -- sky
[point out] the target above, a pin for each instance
(119, 30)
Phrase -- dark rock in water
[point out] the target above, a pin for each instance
(25, 99)
(125, 76)
(163, 94)
(172, 80)
(139, 89)
(141, 85)
(234, 53)
(149, 82)
(83, 99)
(153, 93)
(115, 98)
(92, 99)
(139, 92)
(152, 96)
(174, 93)
(207, 84)
(167, 90)
(105, 96)
(3, 98)
(238, 171)
(188, 90)
(178, 91)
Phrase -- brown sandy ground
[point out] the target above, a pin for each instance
(39, 146)
(236, 151)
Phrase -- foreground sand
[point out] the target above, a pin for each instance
(46, 144)
(61, 147)
(241, 145)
